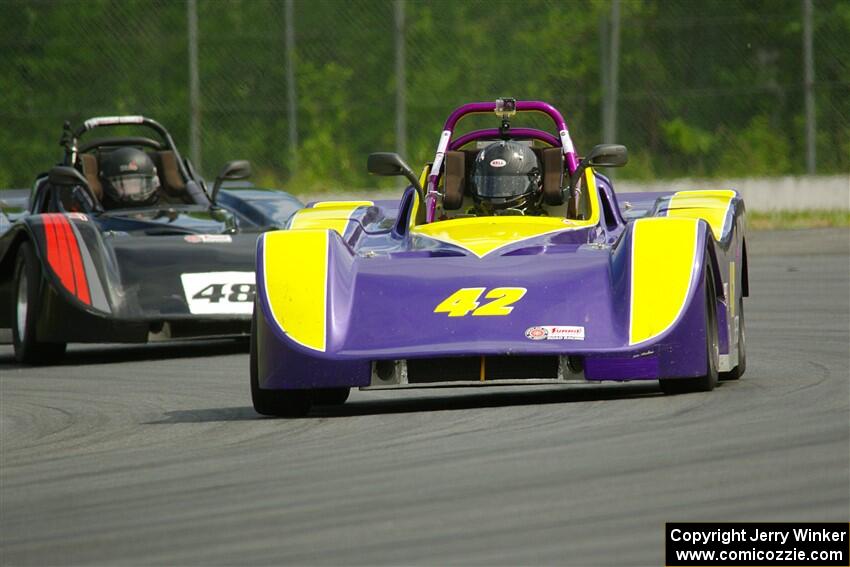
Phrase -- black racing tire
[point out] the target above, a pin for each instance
(277, 403)
(26, 306)
(739, 370)
(707, 382)
(330, 396)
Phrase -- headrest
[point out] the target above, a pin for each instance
(454, 180)
(553, 176)
(89, 164)
(169, 174)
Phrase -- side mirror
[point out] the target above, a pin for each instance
(232, 170)
(66, 175)
(602, 155)
(608, 155)
(389, 163)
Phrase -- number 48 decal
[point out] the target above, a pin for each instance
(238, 292)
(219, 293)
(466, 299)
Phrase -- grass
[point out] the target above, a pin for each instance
(788, 220)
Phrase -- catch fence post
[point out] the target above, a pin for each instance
(291, 93)
(194, 86)
(809, 85)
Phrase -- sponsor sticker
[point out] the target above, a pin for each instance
(498, 163)
(219, 293)
(555, 333)
(77, 216)
(208, 238)
(567, 142)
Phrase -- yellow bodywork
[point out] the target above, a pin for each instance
(483, 235)
(414, 212)
(297, 297)
(423, 177)
(334, 215)
(711, 205)
(663, 263)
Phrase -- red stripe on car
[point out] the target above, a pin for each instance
(76, 259)
(56, 256)
(63, 256)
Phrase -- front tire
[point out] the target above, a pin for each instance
(26, 307)
(707, 382)
(278, 403)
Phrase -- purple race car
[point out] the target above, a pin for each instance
(510, 260)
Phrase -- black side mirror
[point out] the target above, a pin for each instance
(232, 170)
(389, 163)
(602, 155)
(608, 155)
(66, 175)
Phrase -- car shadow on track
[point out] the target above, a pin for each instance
(432, 403)
(111, 354)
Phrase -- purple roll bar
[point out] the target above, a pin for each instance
(522, 133)
(446, 142)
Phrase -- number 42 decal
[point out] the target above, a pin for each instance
(466, 300)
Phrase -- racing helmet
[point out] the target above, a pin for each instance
(129, 177)
(506, 174)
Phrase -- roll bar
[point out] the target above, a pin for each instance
(503, 107)
(70, 137)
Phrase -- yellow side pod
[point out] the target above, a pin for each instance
(334, 215)
(664, 253)
(295, 271)
(711, 205)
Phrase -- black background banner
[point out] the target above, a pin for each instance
(745, 544)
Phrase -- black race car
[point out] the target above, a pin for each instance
(125, 242)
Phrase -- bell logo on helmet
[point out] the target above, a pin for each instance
(498, 163)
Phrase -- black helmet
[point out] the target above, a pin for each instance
(505, 175)
(129, 177)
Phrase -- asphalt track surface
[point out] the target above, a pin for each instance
(153, 455)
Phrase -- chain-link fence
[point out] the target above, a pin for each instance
(306, 90)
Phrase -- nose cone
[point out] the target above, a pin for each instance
(390, 307)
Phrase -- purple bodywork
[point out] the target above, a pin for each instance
(384, 280)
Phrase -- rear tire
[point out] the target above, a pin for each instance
(739, 370)
(26, 307)
(278, 403)
(707, 382)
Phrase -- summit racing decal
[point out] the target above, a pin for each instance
(555, 333)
